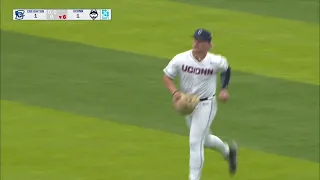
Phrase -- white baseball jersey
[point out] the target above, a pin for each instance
(196, 77)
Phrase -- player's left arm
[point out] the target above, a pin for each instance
(225, 78)
(225, 75)
(225, 72)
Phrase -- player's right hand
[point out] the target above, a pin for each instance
(176, 96)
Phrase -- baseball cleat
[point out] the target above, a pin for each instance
(233, 158)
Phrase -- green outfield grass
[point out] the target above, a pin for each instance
(115, 85)
(71, 91)
(301, 10)
(48, 144)
(257, 44)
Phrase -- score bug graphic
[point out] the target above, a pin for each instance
(61, 14)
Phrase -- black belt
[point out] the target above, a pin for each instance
(204, 99)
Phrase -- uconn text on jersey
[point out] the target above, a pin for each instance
(200, 71)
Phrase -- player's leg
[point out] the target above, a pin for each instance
(211, 141)
(229, 152)
(199, 127)
(188, 120)
(214, 142)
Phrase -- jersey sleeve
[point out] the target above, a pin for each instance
(171, 70)
(222, 64)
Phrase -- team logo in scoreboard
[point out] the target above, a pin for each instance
(93, 14)
(19, 14)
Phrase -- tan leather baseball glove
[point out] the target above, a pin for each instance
(186, 104)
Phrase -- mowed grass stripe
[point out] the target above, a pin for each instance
(277, 116)
(301, 10)
(258, 44)
(47, 144)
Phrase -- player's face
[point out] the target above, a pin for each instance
(201, 46)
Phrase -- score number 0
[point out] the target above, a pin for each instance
(51, 13)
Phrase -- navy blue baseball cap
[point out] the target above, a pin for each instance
(202, 34)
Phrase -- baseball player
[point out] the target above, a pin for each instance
(197, 70)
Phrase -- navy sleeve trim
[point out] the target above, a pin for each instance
(225, 78)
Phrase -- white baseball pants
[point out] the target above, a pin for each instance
(199, 123)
